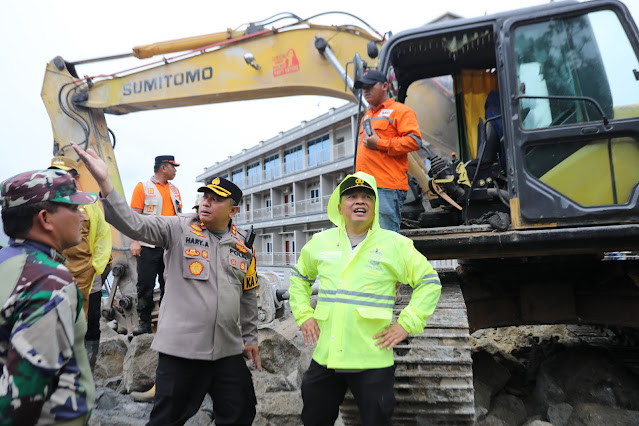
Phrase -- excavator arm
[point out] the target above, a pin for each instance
(298, 59)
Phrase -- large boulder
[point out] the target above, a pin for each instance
(508, 408)
(488, 371)
(140, 364)
(264, 382)
(279, 356)
(585, 375)
(559, 414)
(281, 408)
(115, 409)
(110, 362)
(595, 414)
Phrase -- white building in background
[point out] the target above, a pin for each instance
(287, 181)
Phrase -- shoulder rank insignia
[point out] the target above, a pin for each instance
(191, 252)
(233, 229)
(241, 248)
(199, 234)
(196, 227)
(196, 268)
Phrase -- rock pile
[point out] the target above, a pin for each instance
(530, 376)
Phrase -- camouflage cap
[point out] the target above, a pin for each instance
(43, 185)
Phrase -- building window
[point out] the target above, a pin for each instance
(253, 173)
(318, 151)
(268, 204)
(269, 247)
(271, 167)
(238, 177)
(293, 159)
(315, 197)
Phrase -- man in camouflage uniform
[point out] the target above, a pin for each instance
(45, 370)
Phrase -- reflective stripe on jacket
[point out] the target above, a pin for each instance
(357, 290)
(398, 131)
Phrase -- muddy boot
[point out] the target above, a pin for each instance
(143, 328)
(93, 348)
(144, 396)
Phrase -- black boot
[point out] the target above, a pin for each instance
(143, 328)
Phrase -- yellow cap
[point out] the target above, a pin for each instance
(64, 163)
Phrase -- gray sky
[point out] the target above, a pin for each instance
(33, 32)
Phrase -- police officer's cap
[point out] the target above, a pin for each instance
(352, 183)
(224, 188)
(166, 159)
(64, 163)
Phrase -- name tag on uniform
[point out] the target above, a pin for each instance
(385, 113)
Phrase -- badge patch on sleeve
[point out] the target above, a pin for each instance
(196, 268)
(250, 279)
(242, 265)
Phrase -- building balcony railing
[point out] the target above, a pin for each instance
(295, 165)
(276, 258)
(308, 206)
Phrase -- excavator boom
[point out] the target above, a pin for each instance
(296, 59)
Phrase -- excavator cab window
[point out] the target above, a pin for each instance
(571, 72)
(583, 56)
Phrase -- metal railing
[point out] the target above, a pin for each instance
(308, 206)
(319, 158)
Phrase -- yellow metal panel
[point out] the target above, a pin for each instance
(585, 175)
(290, 65)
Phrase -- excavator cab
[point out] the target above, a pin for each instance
(543, 113)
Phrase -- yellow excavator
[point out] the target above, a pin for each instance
(531, 119)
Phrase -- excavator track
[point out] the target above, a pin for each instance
(433, 370)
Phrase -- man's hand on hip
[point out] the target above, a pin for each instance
(390, 337)
(311, 331)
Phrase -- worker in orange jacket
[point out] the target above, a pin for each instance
(384, 153)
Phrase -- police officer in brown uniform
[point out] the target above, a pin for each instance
(211, 288)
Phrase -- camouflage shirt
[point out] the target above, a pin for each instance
(45, 372)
